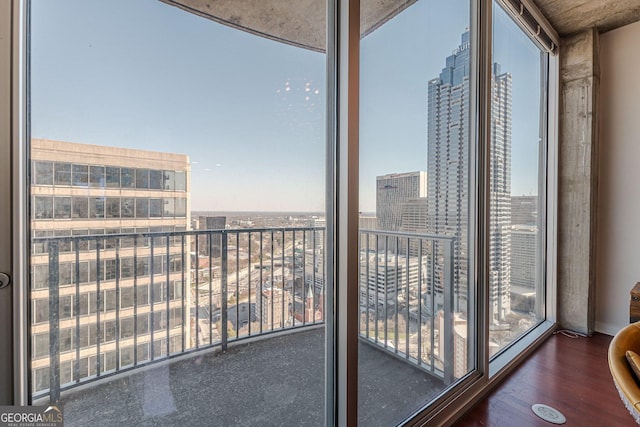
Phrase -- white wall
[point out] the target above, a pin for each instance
(618, 235)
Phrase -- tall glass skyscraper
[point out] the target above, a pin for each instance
(448, 158)
(392, 191)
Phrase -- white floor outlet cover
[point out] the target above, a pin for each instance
(548, 413)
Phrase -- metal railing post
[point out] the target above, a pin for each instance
(448, 356)
(54, 323)
(223, 291)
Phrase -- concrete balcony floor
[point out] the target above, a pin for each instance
(274, 381)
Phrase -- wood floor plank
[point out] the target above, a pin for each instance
(569, 374)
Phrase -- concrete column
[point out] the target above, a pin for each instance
(577, 192)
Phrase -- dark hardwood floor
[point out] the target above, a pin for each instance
(568, 374)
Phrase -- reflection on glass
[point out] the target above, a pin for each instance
(517, 176)
(416, 153)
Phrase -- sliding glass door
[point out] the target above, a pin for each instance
(417, 165)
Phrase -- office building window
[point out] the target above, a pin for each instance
(80, 175)
(62, 173)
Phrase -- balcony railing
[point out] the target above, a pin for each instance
(112, 303)
(406, 298)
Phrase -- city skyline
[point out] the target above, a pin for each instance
(182, 84)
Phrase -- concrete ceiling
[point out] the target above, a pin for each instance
(299, 23)
(302, 23)
(572, 16)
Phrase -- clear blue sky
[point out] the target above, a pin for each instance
(249, 112)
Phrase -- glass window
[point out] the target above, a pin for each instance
(113, 177)
(109, 333)
(159, 321)
(181, 181)
(66, 339)
(62, 173)
(110, 270)
(143, 352)
(126, 267)
(128, 178)
(96, 207)
(169, 208)
(113, 207)
(158, 291)
(80, 207)
(66, 273)
(128, 207)
(142, 178)
(43, 173)
(66, 372)
(43, 207)
(40, 277)
(66, 304)
(142, 208)
(176, 263)
(93, 302)
(126, 356)
(143, 295)
(180, 207)
(155, 208)
(114, 111)
(126, 297)
(175, 291)
(143, 323)
(113, 242)
(169, 178)
(127, 242)
(155, 180)
(41, 379)
(80, 175)
(64, 245)
(142, 241)
(143, 266)
(96, 176)
(84, 304)
(518, 179)
(407, 307)
(41, 345)
(62, 207)
(176, 317)
(40, 310)
(84, 271)
(83, 245)
(126, 327)
(40, 247)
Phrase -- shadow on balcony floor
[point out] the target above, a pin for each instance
(274, 381)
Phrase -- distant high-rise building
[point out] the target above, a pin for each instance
(384, 278)
(449, 148)
(524, 210)
(523, 255)
(500, 196)
(414, 220)
(524, 271)
(80, 190)
(392, 191)
(414, 215)
(215, 244)
(368, 222)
